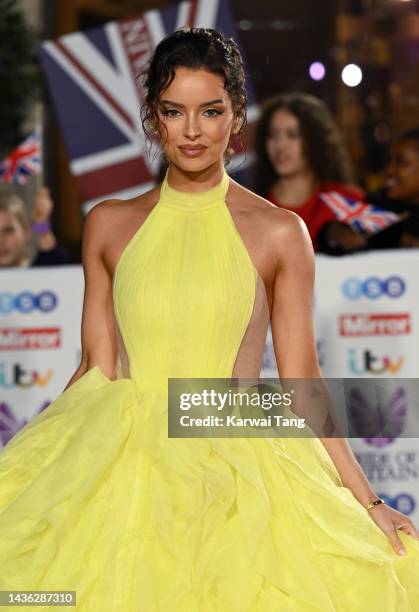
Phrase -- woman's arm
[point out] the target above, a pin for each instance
(98, 336)
(296, 356)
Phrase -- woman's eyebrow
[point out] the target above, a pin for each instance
(172, 103)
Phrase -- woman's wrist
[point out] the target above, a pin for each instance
(41, 227)
(374, 503)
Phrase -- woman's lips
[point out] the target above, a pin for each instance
(192, 151)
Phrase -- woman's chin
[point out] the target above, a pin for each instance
(195, 164)
(285, 170)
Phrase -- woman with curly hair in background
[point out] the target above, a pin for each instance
(300, 154)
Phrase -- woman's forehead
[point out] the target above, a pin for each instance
(282, 118)
(191, 85)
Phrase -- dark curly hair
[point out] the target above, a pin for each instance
(193, 48)
(323, 143)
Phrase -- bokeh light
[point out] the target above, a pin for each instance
(352, 75)
(317, 71)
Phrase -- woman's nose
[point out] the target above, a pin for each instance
(192, 127)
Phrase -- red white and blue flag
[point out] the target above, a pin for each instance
(93, 78)
(361, 216)
(24, 161)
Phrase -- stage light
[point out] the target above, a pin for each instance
(317, 71)
(351, 75)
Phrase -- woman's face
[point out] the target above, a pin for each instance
(196, 118)
(285, 145)
(13, 238)
(402, 173)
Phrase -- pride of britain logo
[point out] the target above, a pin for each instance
(373, 287)
(379, 423)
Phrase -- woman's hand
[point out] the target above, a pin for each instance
(409, 241)
(345, 236)
(389, 520)
(42, 208)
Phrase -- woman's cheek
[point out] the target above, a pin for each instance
(270, 150)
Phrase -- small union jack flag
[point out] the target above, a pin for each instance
(24, 161)
(361, 216)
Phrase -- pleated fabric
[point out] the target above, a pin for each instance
(95, 497)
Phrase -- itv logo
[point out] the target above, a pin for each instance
(365, 362)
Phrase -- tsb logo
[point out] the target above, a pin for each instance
(373, 287)
(27, 301)
(404, 502)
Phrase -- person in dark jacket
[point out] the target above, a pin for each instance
(400, 194)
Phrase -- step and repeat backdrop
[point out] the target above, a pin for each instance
(366, 311)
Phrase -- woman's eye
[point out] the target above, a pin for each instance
(171, 112)
(212, 112)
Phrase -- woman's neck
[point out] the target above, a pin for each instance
(294, 191)
(195, 182)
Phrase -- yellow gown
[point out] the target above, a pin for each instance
(95, 497)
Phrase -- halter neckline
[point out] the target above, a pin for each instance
(194, 201)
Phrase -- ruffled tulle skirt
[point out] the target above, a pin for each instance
(95, 498)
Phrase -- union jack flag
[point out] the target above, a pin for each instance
(24, 161)
(361, 216)
(92, 78)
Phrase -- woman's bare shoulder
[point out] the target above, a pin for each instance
(113, 214)
(280, 220)
(283, 233)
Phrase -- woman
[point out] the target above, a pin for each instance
(300, 154)
(96, 497)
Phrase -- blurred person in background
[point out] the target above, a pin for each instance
(400, 193)
(17, 228)
(300, 154)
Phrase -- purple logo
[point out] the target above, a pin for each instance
(383, 419)
(9, 425)
(321, 353)
(268, 359)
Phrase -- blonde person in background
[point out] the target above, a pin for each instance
(18, 229)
